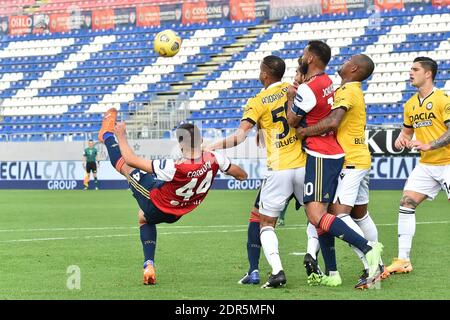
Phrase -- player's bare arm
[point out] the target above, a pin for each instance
(292, 118)
(128, 155)
(236, 172)
(233, 140)
(330, 123)
(442, 141)
(404, 138)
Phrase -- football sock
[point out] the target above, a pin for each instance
(368, 227)
(406, 230)
(269, 242)
(253, 246)
(96, 181)
(313, 240)
(339, 229)
(352, 224)
(114, 152)
(148, 239)
(106, 135)
(86, 180)
(326, 241)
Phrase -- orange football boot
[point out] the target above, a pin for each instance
(399, 266)
(108, 123)
(149, 273)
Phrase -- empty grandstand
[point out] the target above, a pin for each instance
(63, 63)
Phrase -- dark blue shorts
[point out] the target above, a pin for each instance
(321, 178)
(140, 184)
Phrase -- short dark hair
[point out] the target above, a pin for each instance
(189, 135)
(428, 64)
(276, 66)
(321, 50)
(366, 64)
(90, 140)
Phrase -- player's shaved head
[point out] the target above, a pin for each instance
(365, 66)
(274, 66)
(358, 68)
(189, 135)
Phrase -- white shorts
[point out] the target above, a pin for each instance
(429, 180)
(277, 188)
(353, 187)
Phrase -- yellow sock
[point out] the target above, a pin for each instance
(86, 180)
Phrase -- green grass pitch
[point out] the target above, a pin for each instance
(43, 233)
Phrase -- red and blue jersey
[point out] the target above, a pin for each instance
(187, 181)
(313, 101)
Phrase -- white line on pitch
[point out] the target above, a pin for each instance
(181, 232)
(297, 253)
(129, 235)
(180, 227)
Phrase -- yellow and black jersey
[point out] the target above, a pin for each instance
(351, 132)
(268, 110)
(428, 119)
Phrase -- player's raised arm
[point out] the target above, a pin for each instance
(228, 168)
(300, 104)
(237, 172)
(234, 139)
(128, 155)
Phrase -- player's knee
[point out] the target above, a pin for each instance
(266, 221)
(408, 202)
(141, 218)
(254, 216)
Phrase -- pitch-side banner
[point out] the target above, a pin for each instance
(147, 16)
(386, 173)
(389, 4)
(441, 2)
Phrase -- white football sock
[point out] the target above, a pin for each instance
(406, 230)
(313, 240)
(369, 229)
(352, 224)
(269, 242)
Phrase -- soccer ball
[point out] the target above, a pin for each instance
(167, 43)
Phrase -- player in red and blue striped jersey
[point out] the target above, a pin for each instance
(307, 105)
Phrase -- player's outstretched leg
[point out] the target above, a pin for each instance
(106, 135)
(338, 228)
(148, 239)
(253, 250)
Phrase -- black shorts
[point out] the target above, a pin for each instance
(140, 184)
(91, 167)
(321, 178)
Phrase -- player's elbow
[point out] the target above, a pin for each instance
(334, 125)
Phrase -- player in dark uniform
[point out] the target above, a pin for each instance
(90, 164)
(165, 189)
